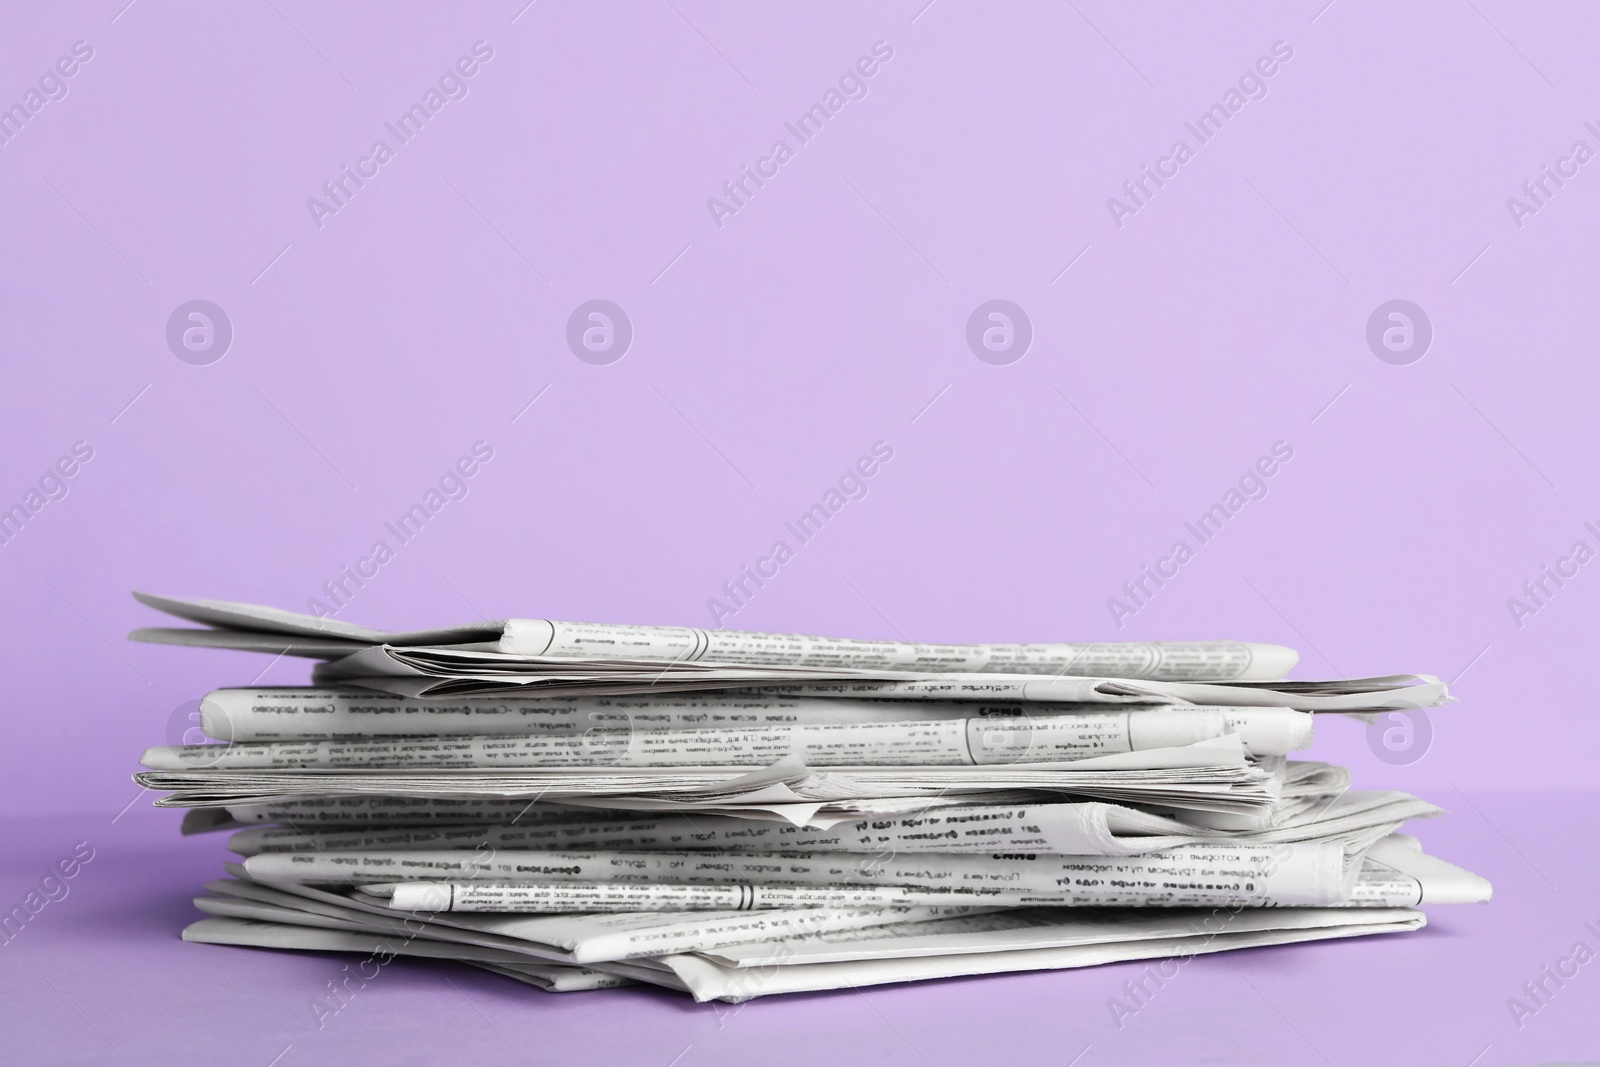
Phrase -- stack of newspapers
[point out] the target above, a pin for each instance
(731, 814)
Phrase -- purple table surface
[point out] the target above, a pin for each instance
(100, 977)
(361, 336)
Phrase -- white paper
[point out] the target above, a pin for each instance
(707, 979)
(1305, 873)
(1072, 829)
(1397, 872)
(348, 811)
(591, 938)
(292, 713)
(939, 743)
(1198, 660)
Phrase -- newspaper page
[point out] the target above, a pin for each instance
(810, 798)
(554, 978)
(1387, 693)
(1391, 875)
(707, 979)
(290, 713)
(928, 949)
(1215, 774)
(1190, 660)
(1306, 873)
(1193, 660)
(586, 897)
(261, 933)
(314, 907)
(1018, 929)
(351, 811)
(596, 938)
(438, 672)
(1397, 872)
(947, 742)
(1070, 829)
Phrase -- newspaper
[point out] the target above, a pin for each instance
(1303, 873)
(1214, 774)
(1396, 692)
(1015, 930)
(1394, 873)
(730, 814)
(944, 742)
(734, 957)
(353, 811)
(554, 978)
(449, 672)
(1302, 785)
(815, 799)
(291, 713)
(952, 952)
(1146, 659)
(247, 626)
(1042, 939)
(381, 811)
(582, 938)
(1073, 829)
(239, 897)
(231, 927)
(587, 897)
(1308, 778)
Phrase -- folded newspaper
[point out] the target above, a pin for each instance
(538, 656)
(580, 806)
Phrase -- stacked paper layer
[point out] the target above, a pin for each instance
(582, 805)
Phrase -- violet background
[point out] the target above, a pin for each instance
(829, 313)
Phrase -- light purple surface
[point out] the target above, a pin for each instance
(1227, 314)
